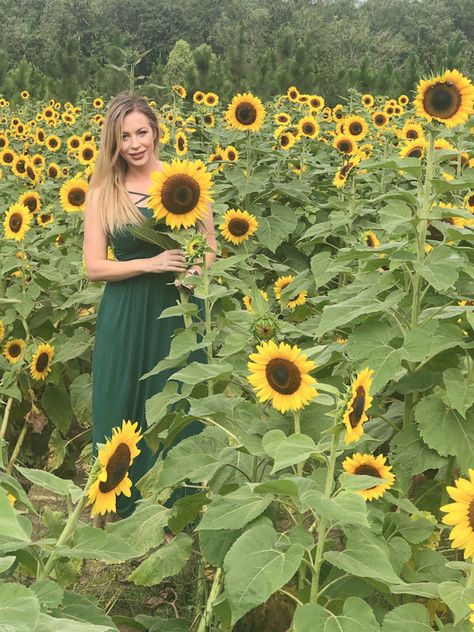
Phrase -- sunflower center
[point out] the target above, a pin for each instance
(284, 140)
(53, 142)
(283, 376)
(369, 240)
(42, 361)
(245, 113)
(344, 146)
(308, 128)
(379, 120)
(412, 133)
(53, 172)
(367, 470)
(230, 155)
(75, 143)
(470, 514)
(180, 143)
(15, 223)
(30, 172)
(442, 100)
(355, 128)
(31, 204)
(238, 226)
(76, 196)
(180, 194)
(416, 152)
(21, 166)
(357, 407)
(45, 217)
(87, 154)
(14, 350)
(117, 468)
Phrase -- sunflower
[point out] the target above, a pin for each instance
(245, 112)
(414, 149)
(209, 120)
(469, 201)
(114, 459)
(345, 144)
(281, 374)
(198, 97)
(181, 143)
(73, 195)
(460, 514)
(218, 157)
(293, 94)
(337, 113)
(412, 131)
(17, 221)
(179, 90)
(211, 99)
(98, 103)
(370, 239)
(13, 349)
(309, 126)
(87, 153)
(53, 170)
(41, 363)
(24, 94)
(30, 199)
(339, 179)
(355, 413)
(316, 103)
(247, 300)
(53, 142)
(238, 226)
(231, 154)
(20, 166)
(356, 126)
(44, 219)
(282, 118)
(447, 98)
(380, 119)
(286, 140)
(180, 193)
(2, 330)
(368, 465)
(367, 100)
(7, 157)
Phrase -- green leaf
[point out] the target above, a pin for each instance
(186, 509)
(370, 344)
(56, 402)
(357, 482)
(19, 608)
(179, 310)
(296, 448)
(446, 431)
(275, 228)
(81, 399)
(357, 616)
(364, 556)
(10, 527)
(197, 372)
(6, 563)
(271, 440)
(421, 589)
(345, 508)
(197, 458)
(430, 339)
(218, 404)
(258, 564)
(460, 394)
(324, 268)
(160, 624)
(430, 566)
(457, 598)
(153, 236)
(99, 545)
(52, 483)
(144, 527)
(49, 593)
(166, 562)
(234, 510)
(283, 486)
(395, 215)
(52, 624)
(440, 268)
(83, 610)
(411, 617)
(414, 529)
(215, 544)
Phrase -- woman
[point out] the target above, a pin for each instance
(140, 284)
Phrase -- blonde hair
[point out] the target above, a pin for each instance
(116, 210)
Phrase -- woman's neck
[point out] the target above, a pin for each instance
(142, 175)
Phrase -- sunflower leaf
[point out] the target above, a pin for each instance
(294, 449)
(345, 508)
(357, 616)
(234, 510)
(51, 482)
(166, 562)
(275, 228)
(430, 339)
(19, 608)
(460, 394)
(411, 617)
(198, 372)
(457, 598)
(440, 268)
(144, 527)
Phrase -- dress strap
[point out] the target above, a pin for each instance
(145, 196)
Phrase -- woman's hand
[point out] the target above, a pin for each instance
(167, 261)
(195, 271)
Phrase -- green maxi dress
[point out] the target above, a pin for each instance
(129, 342)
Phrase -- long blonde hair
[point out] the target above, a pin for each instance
(116, 210)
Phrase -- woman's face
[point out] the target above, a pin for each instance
(137, 147)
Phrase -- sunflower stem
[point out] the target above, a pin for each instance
(6, 417)
(470, 579)
(207, 309)
(296, 417)
(17, 448)
(215, 589)
(323, 522)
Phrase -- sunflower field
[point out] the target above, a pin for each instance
(332, 487)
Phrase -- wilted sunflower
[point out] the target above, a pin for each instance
(414, 149)
(73, 195)
(41, 363)
(115, 459)
(368, 465)
(181, 143)
(356, 126)
(281, 374)
(231, 154)
(87, 153)
(460, 514)
(179, 90)
(32, 201)
(180, 193)
(245, 112)
(367, 100)
(13, 349)
(238, 226)
(17, 221)
(360, 401)
(447, 98)
(380, 119)
(345, 144)
(309, 126)
(370, 239)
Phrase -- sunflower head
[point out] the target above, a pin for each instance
(447, 98)
(17, 221)
(359, 402)
(281, 374)
(41, 362)
(245, 113)
(368, 465)
(460, 515)
(238, 226)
